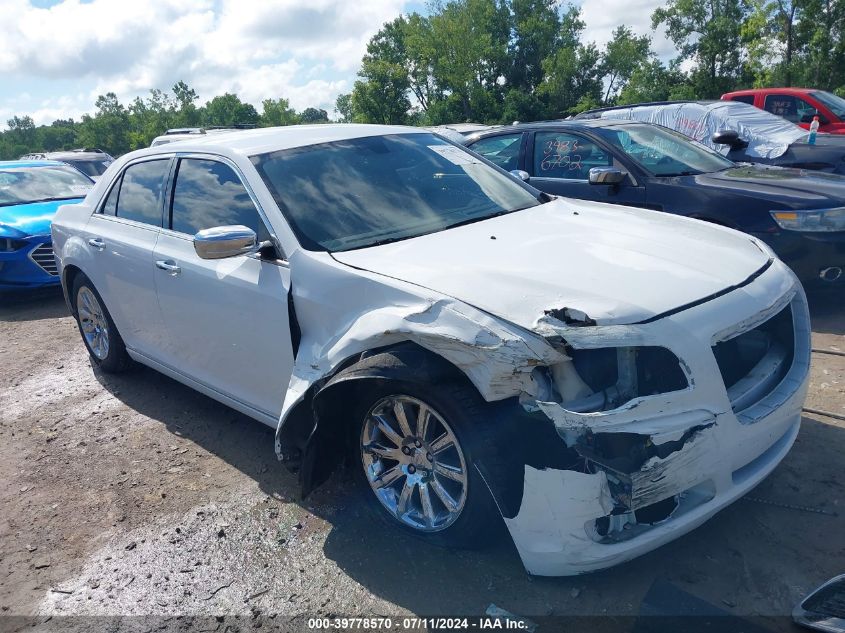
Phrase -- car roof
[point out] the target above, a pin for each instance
(575, 124)
(14, 164)
(272, 139)
(66, 156)
(757, 91)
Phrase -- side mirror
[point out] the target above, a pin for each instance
(606, 176)
(728, 137)
(225, 241)
(522, 175)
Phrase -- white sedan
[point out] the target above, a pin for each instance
(603, 378)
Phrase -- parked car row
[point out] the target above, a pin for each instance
(602, 378)
(800, 214)
(467, 320)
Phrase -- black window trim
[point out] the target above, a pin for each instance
(167, 219)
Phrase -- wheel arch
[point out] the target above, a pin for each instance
(69, 274)
(317, 424)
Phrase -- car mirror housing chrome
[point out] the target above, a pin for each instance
(729, 137)
(221, 242)
(606, 176)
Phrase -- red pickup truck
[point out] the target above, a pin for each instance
(798, 105)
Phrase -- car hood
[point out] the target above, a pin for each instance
(799, 187)
(616, 264)
(33, 218)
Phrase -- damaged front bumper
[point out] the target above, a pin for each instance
(659, 465)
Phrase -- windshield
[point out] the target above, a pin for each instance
(663, 152)
(833, 103)
(91, 167)
(22, 185)
(366, 191)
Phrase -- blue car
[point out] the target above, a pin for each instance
(30, 194)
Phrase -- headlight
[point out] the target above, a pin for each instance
(812, 220)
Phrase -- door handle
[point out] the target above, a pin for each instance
(169, 265)
(97, 243)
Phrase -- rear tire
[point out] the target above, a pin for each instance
(99, 333)
(424, 480)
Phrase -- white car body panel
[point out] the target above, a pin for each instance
(607, 268)
(491, 308)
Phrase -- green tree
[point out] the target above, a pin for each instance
(625, 53)
(707, 32)
(314, 115)
(228, 109)
(276, 112)
(343, 105)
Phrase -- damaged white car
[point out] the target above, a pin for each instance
(604, 378)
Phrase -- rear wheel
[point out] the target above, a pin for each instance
(99, 333)
(414, 450)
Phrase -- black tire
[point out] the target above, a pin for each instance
(116, 360)
(462, 408)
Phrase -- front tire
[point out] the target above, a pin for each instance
(414, 454)
(101, 338)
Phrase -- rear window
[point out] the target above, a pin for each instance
(142, 190)
(749, 99)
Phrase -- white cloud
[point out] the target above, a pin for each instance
(259, 49)
(603, 16)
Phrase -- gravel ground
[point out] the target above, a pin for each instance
(134, 495)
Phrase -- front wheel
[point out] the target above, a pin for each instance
(415, 453)
(101, 338)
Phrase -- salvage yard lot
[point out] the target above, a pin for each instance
(133, 494)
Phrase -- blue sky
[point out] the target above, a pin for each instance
(56, 56)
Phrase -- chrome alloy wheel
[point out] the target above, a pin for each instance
(414, 463)
(92, 319)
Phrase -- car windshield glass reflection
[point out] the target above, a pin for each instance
(663, 152)
(24, 185)
(833, 103)
(368, 191)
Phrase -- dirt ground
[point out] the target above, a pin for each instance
(133, 494)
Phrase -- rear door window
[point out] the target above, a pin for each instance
(142, 192)
(208, 194)
(500, 150)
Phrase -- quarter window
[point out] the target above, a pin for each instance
(209, 193)
(562, 155)
(500, 150)
(141, 192)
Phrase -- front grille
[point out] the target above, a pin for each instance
(753, 363)
(43, 256)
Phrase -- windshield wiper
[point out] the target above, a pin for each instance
(20, 202)
(681, 173)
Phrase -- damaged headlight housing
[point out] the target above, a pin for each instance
(811, 220)
(605, 378)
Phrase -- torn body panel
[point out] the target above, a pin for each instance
(670, 461)
(653, 459)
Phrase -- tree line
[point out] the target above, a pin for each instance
(498, 61)
(118, 129)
